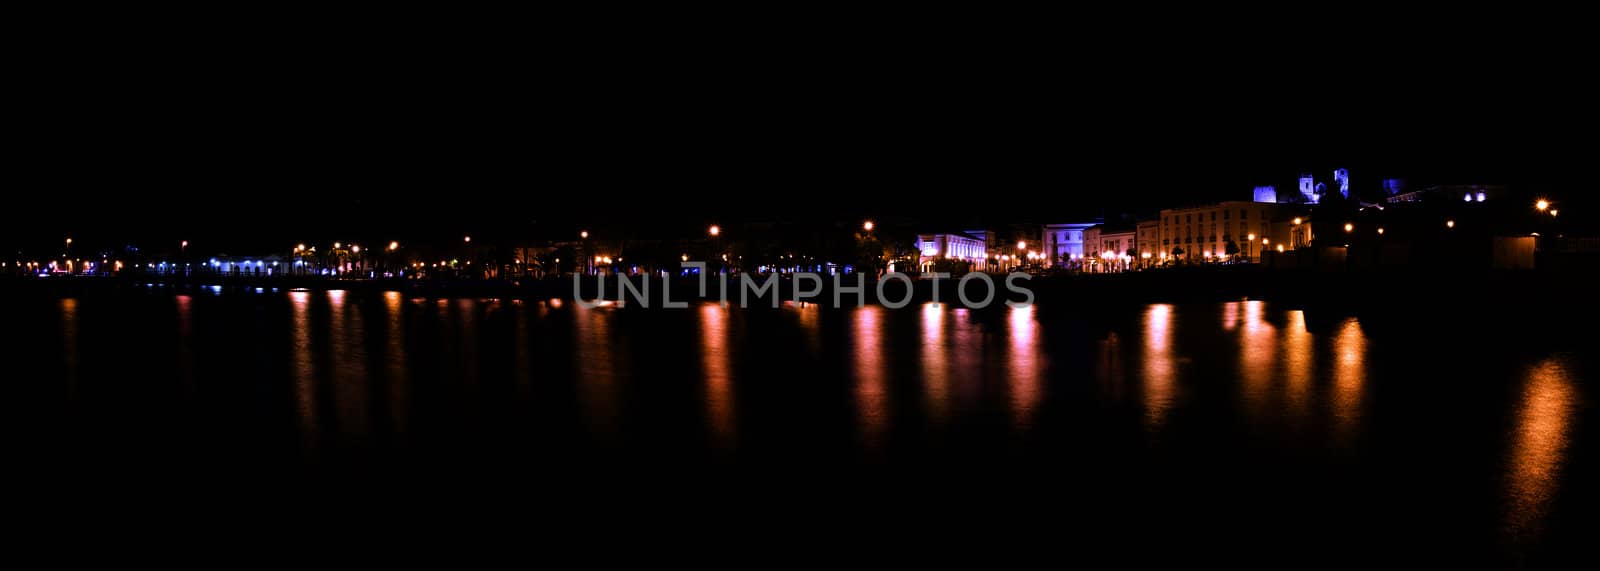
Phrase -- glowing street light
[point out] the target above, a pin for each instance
(1542, 205)
(1297, 221)
(1554, 212)
(715, 230)
(337, 245)
(300, 248)
(1250, 237)
(867, 225)
(354, 249)
(1449, 224)
(584, 234)
(394, 245)
(1022, 245)
(1380, 231)
(1348, 227)
(467, 239)
(684, 257)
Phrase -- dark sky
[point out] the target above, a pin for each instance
(287, 134)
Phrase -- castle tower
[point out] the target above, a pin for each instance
(1267, 193)
(1308, 188)
(1341, 180)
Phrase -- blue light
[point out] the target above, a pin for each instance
(1482, 196)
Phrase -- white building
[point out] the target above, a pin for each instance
(958, 247)
(1064, 242)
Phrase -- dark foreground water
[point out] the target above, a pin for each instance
(1241, 431)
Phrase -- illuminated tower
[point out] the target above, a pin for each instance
(1341, 179)
(1267, 193)
(1308, 188)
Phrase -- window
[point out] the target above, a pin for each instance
(1244, 213)
(1213, 216)
(1225, 214)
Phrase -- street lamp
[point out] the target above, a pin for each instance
(1297, 221)
(715, 230)
(1380, 231)
(584, 234)
(394, 245)
(1449, 224)
(466, 239)
(1542, 205)
(867, 226)
(1348, 227)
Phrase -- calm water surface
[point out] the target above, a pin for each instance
(1248, 421)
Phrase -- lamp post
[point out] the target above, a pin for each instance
(716, 244)
(1249, 247)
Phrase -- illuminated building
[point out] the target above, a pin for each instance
(959, 247)
(1200, 229)
(1064, 242)
(1308, 189)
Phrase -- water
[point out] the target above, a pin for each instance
(1260, 427)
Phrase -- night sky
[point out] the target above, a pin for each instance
(257, 144)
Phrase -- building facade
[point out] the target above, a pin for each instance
(1063, 243)
(959, 247)
(1147, 243)
(1202, 233)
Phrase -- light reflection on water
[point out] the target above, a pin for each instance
(935, 363)
(871, 376)
(1161, 371)
(718, 367)
(302, 368)
(1024, 365)
(1539, 442)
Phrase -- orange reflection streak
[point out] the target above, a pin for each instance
(1349, 375)
(1257, 346)
(185, 342)
(1539, 444)
(1230, 315)
(872, 404)
(808, 323)
(1159, 371)
(399, 380)
(350, 365)
(69, 344)
(935, 362)
(1297, 362)
(303, 370)
(597, 374)
(1023, 365)
(718, 370)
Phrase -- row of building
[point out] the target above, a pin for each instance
(1224, 232)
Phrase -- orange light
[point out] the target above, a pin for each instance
(1349, 227)
(716, 230)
